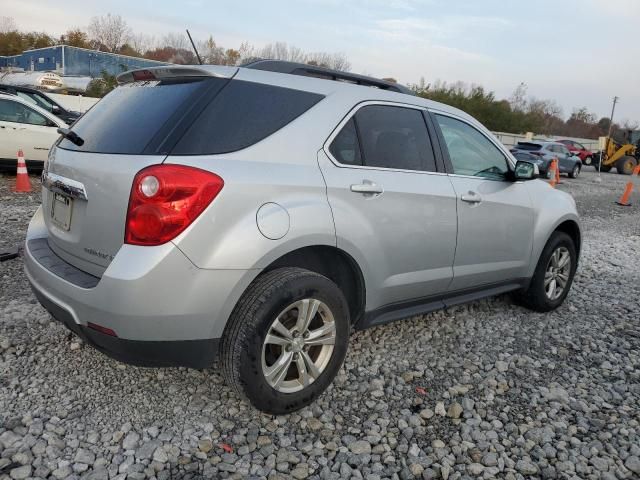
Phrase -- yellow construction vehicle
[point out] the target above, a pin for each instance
(624, 155)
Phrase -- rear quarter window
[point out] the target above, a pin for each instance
(241, 115)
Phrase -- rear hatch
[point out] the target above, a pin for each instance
(88, 182)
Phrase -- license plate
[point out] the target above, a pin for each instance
(61, 211)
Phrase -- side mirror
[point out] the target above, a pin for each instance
(55, 109)
(525, 170)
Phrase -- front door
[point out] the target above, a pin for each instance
(393, 212)
(565, 158)
(495, 215)
(21, 127)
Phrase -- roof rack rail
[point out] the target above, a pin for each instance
(303, 69)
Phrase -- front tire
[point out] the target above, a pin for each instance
(588, 160)
(285, 340)
(553, 276)
(575, 172)
(626, 165)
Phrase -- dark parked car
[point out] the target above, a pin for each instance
(42, 100)
(545, 152)
(578, 149)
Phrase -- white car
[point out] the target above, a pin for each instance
(25, 126)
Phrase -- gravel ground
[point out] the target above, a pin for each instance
(484, 390)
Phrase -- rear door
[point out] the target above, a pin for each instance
(392, 209)
(495, 215)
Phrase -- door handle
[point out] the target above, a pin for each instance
(471, 197)
(367, 187)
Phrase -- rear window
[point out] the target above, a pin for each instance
(128, 118)
(188, 117)
(528, 146)
(241, 115)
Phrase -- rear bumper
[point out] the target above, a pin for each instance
(180, 353)
(163, 309)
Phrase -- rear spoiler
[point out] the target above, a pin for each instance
(177, 71)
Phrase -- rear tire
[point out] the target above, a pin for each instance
(575, 172)
(263, 355)
(626, 165)
(538, 296)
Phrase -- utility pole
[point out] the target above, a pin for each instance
(606, 145)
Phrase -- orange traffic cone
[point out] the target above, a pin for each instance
(22, 177)
(624, 199)
(554, 167)
(558, 182)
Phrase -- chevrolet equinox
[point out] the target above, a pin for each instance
(257, 215)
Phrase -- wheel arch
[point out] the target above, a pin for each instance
(571, 228)
(335, 264)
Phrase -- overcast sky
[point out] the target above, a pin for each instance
(576, 52)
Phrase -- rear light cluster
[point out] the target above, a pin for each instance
(165, 200)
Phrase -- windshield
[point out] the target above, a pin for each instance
(39, 100)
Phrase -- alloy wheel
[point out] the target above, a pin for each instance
(298, 345)
(557, 273)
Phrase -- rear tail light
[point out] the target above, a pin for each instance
(143, 75)
(165, 200)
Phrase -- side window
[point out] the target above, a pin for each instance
(579, 146)
(470, 151)
(243, 114)
(345, 147)
(17, 113)
(394, 137)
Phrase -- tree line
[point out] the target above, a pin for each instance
(520, 113)
(110, 33)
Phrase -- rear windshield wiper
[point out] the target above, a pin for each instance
(72, 136)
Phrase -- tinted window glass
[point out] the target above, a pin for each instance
(525, 156)
(579, 146)
(129, 117)
(528, 146)
(241, 115)
(394, 137)
(18, 113)
(470, 151)
(345, 147)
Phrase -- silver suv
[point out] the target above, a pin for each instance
(258, 215)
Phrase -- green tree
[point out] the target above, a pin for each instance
(75, 38)
(99, 87)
